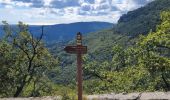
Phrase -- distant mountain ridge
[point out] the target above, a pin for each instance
(62, 32)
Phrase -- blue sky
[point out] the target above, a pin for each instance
(46, 12)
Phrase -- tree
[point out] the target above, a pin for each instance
(145, 66)
(155, 49)
(28, 60)
(119, 58)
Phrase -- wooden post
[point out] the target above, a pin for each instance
(79, 75)
(79, 50)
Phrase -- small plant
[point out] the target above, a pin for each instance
(65, 95)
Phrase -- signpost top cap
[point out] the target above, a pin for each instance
(78, 33)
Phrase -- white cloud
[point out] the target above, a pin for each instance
(100, 1)
(8, 6)
(12, 4)
(21, 4)
(5, 1)
(125, 5)
(47, 2)
(50, 12)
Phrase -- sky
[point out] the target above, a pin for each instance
(48, 12)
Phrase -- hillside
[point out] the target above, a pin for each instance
(102, 44)
(132, 24)
(65, 32)
(99, 48)
(142, 20)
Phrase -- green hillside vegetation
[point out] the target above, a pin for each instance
(142, 20)
(120, 59)
(114, 62)
(98, 43)
(143, 67)
(118, 63)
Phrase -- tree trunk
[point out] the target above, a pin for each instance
(20, 88)
(166, 83)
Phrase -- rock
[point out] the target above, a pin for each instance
(112, 96)
(34, 98)
(155, 95)
(130, 96)
(101, 97)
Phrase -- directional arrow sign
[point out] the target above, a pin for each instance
(76, 49)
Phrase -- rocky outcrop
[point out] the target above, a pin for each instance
(112, 96)
(132, 96)
(34, 98)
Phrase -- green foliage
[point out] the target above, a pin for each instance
(144, 66)
(114, 63)
(97, 50)
(65, 96)
(118, 63)
(155, 56)
(25, 62)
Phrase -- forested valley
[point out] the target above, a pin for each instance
(132, 56)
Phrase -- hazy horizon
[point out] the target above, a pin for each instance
(60, 23)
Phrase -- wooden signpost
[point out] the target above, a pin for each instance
(79, 49)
